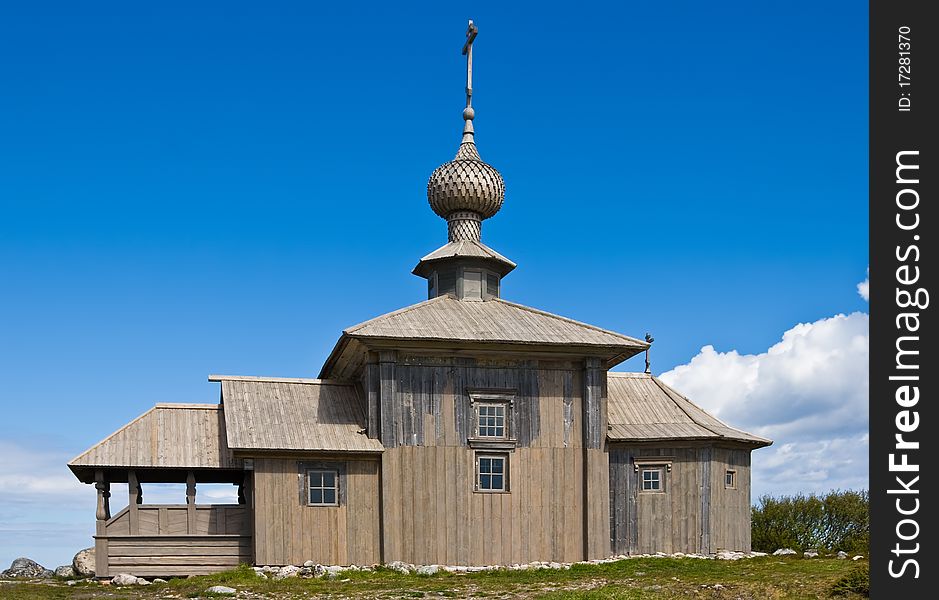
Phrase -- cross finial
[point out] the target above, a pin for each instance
(468, 112)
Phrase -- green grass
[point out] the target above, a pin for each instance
(767, 578)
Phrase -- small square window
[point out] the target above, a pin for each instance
(730, 479)
(651, 479)
(491, 473)
(490, 420)
(323, 488)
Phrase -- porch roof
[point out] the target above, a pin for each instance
(168, 436)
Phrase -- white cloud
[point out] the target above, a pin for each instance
(864, 288)
(808, 392)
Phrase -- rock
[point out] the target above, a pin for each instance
(287, 572)
(123, 579)
(810, 553)
(858, 557)
(400, 567)
(158, 580)
(428, 570)
(757, 554)
(221, 589)
(142, 581)
(25, 568)
(718, 586)
(309, 563)
(84, 563)
(784, 552)
(842, 555)
(71, 582)
(724, 555)
(65, 571)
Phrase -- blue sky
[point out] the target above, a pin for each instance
(222, 187)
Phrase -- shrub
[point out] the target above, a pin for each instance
(836, 521)
(857, 581)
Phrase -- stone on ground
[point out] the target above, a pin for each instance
(25, 568)
(65, 571)
(221, 589)
(784, 552)
(84, 563)
(123, 579)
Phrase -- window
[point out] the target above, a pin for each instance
(490, 420)
(730, 479)
(323, 488)
(491, 472)
(652, 480)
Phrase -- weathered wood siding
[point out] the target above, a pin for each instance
(151, 556)
(286, 531)
(695, 514)
(431, 513)
(174, 519)
(730, 508)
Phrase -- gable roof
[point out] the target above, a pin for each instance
(294, 414)
(643, 408)
(159, 439)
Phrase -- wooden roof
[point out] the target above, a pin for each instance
(494, 320)
(471, 249)
(642, 408)
(190, 436)
(294, 414)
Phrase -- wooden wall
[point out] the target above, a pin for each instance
(730, 508)
(431, 513)
(163, 556)
(287, 531)
(694, 515)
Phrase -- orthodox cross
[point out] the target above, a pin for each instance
(649, 340)
(471, 32)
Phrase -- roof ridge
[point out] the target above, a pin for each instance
(629, 374)
(394, 313)
(569, 320)
(187, 405)
(114, 433)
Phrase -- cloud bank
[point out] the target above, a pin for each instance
(808, 392)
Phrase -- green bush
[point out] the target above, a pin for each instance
(857, 581)
(836, 521)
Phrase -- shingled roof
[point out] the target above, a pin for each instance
(294, 414)
(642, 408)
(162, 438)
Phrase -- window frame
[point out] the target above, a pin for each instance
(477, 418)
(659, 470)
(323, 488)
(504, 457)
(304, 468)
(733, 482)
(662, 464)
(479, 397)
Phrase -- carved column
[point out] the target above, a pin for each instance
(134, 497)
(190, 502)
(102, 514)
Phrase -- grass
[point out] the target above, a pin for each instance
(767, 578)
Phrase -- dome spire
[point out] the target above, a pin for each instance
(466, 190)
(468, 112)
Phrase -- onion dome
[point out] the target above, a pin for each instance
(466, 190)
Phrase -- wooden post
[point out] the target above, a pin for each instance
(133, 499)
(102, 514)
(190, 502)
